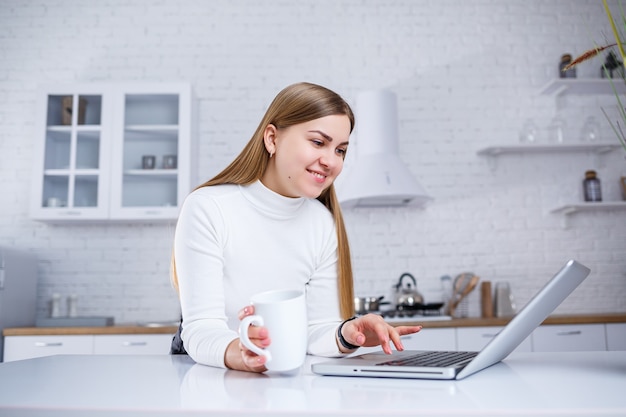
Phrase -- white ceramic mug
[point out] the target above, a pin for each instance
(283, 313)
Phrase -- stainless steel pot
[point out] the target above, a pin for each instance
(364, 305)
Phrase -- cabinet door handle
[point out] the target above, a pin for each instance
(152, 212)
(569, 333)
(131, 344)
(48, 344)
(72, 213)
(489, 335)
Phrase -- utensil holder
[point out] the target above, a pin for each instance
(462, 310)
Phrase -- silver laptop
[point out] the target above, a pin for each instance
(458, 365)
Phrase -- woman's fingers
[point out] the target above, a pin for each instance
(260, 337)
(246, 311)
(251, 360)
(372, 330)
(401, 331)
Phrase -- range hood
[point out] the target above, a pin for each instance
(376, 176)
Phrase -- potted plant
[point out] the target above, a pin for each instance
(612, 67)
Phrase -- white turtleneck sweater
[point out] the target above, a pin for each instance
(235, 241)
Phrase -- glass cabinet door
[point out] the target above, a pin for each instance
(71, 154)
(149, 154)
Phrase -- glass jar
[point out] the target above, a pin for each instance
(590, 130)
(556, 130)
(591, 187)
(528, 134)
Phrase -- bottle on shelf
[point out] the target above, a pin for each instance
(72, 305)
(566, 59)
(55, 305)
(591, 187)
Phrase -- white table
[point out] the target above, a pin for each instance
(525, 384)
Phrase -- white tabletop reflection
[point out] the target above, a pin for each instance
(526, 383)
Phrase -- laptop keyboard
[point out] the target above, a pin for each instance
(433, 359)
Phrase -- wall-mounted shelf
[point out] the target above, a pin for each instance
(590, 206)
(494, 151)
(598, 148)
(583, 86)
(573, 208)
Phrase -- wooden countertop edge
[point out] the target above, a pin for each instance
(502, 321)
(467, 322)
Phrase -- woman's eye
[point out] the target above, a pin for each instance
(317, 142)
(342, 151)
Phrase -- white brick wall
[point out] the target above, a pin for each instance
(466, 74)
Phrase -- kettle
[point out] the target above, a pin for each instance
(407, 296)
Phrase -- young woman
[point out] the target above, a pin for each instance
(271, 220)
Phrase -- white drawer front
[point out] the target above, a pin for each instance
(476, 338)
(26, 347)
(132, 344)
(569, 338)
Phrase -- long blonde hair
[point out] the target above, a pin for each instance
(295, 104)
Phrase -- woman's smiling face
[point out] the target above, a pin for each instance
(307, 157)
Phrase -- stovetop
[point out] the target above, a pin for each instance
(399, 316)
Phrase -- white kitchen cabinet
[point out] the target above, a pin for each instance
(431, 339)
(615, 336)
(26, 347)
(125, 154)
(569, 338)
(476, 338)
(132, 344)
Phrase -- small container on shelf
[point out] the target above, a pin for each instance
(566, 59)
(55, 305)
(148, 161)
(169, 161)
(612, 67)
(592, 190)
(72, 305)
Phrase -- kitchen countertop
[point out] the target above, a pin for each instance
(170, 329)
(524, 384)
(502, 321)
(68, 331)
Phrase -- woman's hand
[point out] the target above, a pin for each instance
(240, 357)
(372, 330)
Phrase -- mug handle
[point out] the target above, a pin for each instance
(245, 340)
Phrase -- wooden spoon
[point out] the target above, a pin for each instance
(462, 291)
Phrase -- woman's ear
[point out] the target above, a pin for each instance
(269, 138)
